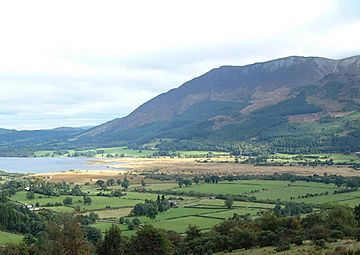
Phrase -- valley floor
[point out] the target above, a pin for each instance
(189, 166)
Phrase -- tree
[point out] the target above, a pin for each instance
(192, 232)
(136, 222)
(150, 241)
(229, 202)
(125, 184)
(243, 238)
(196, 179)
(152, 212)
(267, 238)
(357, 214)
(100, 183)
(143, 184)
(341, 218)
(110, 182)
(68, 239)
(87, 200)
(113, 244)
(319, 232)
(187, 182)
(68, 201)
(117, 193)
(180, 182)
(30, 195)
(93, 235)
(140, 209)
(93, 217)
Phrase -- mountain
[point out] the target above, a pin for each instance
(287, 100)
(6, 131)
(21, 143)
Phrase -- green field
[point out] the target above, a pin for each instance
(6, 237)
(41, 199)
(197, 204)
(337, 158)
(120, 151)
(180, 225)
(123, 152)
(261, 189)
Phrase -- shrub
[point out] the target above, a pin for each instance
(267, 238)
(298, 240)
(319, 232)
(337, 234)
(243, 238)
(321, 243)
(283, 245)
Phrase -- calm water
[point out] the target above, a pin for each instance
(47, 165)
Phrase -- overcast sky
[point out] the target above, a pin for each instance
(80, 63)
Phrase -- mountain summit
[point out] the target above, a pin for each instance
(244, 103)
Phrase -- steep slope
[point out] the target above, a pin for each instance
(235, 102)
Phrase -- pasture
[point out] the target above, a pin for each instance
(264, 189)
(197, 204)
(6, 237)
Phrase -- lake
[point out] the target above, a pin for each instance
(47, 165)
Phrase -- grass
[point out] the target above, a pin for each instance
(99, 202)
(61, 209)
(176, 213)
(113, 213)
(229, 213)
(103, 226)
(41, 199)
(307, 248)
(261, 189)
(6, 237)
(206, 202)
(203, 212)
(123, 151)
(338, 158)
(161, 186)
(180, 225)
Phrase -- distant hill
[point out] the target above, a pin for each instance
(293, 103)
(6, 131)
(21, 143)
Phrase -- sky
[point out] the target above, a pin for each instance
(82, 63)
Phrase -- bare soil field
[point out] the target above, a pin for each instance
(82, 176)
(191, 166)
(187, 166)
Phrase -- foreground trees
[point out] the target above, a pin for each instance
(66, 236)
(151, 241)
(113, 243)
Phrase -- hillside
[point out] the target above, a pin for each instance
(288, 102)
(21, 143)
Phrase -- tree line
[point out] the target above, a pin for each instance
(64, 235)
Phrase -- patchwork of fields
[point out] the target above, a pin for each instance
(198, 204)
(204, 211)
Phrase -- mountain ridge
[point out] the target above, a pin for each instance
(258, 85)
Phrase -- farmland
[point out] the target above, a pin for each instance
(198, 202)
(9, 238)
(122, 151)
